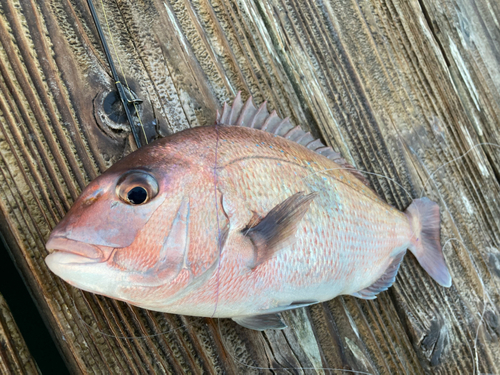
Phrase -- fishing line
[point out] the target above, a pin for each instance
(122, 70)
(456, 159)
(365, 172)
(121, 92)
(474, 354)
(486, 297)
(282, 368)
(219, 239)
(96, 330)
(354, 169)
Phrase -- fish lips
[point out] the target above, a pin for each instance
(64, 250)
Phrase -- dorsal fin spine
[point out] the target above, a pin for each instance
(303, 137)
(292, 131)
(226, 111)
(272, 116)
(281, 125)
(257, 116)
(234, 107)
(246, 107)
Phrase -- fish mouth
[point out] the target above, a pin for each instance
(71, 251)
(81, 264)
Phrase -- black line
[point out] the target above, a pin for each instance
(119, 86)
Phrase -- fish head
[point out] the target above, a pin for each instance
(116, 233)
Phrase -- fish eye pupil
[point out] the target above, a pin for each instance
(137, 195)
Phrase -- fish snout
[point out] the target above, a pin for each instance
(84, 250)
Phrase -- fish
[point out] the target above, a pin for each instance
(243, 219)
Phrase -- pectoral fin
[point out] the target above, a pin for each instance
(261, 322)
(278, 227)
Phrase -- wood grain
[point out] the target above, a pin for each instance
(402, 89)
(15, 357)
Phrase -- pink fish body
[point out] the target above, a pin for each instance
(233, 221)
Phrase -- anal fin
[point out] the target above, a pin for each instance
(384, 282)
(261, 322)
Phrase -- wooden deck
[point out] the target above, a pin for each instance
(402, 88)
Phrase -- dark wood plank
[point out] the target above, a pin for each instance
(15, 357)
(401, 88)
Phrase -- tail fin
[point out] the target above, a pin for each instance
(423, 215)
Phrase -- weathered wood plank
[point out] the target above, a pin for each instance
(15, 357)
(401, 88)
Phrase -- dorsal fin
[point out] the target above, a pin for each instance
(248, 115)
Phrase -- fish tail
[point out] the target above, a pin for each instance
(423, 215)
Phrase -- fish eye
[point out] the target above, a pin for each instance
(136, 188)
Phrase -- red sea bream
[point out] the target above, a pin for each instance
(242, 220)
